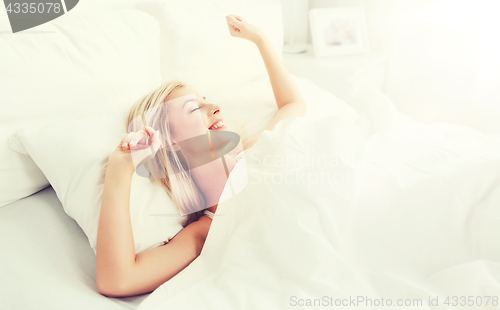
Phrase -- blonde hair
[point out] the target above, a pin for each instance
(152, 110)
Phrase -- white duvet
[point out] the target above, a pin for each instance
(342, 211)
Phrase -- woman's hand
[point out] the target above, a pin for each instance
(238, 27)
(134, 148)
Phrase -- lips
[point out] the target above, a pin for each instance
(218, 124)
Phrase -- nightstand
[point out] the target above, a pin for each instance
(344, 76)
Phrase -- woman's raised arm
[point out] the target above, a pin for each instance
(288, 98)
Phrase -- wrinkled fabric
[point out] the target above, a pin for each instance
(341, 207)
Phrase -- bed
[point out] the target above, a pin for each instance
(370, 204)
(46, 260)
(422, 222)
(417, 225)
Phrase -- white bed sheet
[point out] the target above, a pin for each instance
(424, 222)
(46, 261)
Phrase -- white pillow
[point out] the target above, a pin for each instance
(198, 49)
(73, 155)
(72, 66)
(73, 159)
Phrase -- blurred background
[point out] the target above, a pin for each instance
(443, 56)
(440, 57)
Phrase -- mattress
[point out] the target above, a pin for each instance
(46, 261)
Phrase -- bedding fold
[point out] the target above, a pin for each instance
(334, 212)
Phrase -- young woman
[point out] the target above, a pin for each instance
(119, 271)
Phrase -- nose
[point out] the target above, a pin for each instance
(213, 109)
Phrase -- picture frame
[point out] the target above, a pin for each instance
(338, 31)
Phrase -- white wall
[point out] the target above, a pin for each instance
(445, 64)
(299, 23)
(376, 13)
(444, 56)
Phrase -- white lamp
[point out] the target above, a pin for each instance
(292, 47)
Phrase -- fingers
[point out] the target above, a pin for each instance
(139, 139)
(232, 20)
(238, 17)
(143, 138)
(233, 30)
(125, 140)
(236, 25)
(153, 135)
(133, 140)
(150, 130)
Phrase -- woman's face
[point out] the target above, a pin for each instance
(190, 115)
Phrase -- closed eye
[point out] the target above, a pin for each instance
(195, 109)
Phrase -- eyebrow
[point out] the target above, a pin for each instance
(190, 101)
(187, 102)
